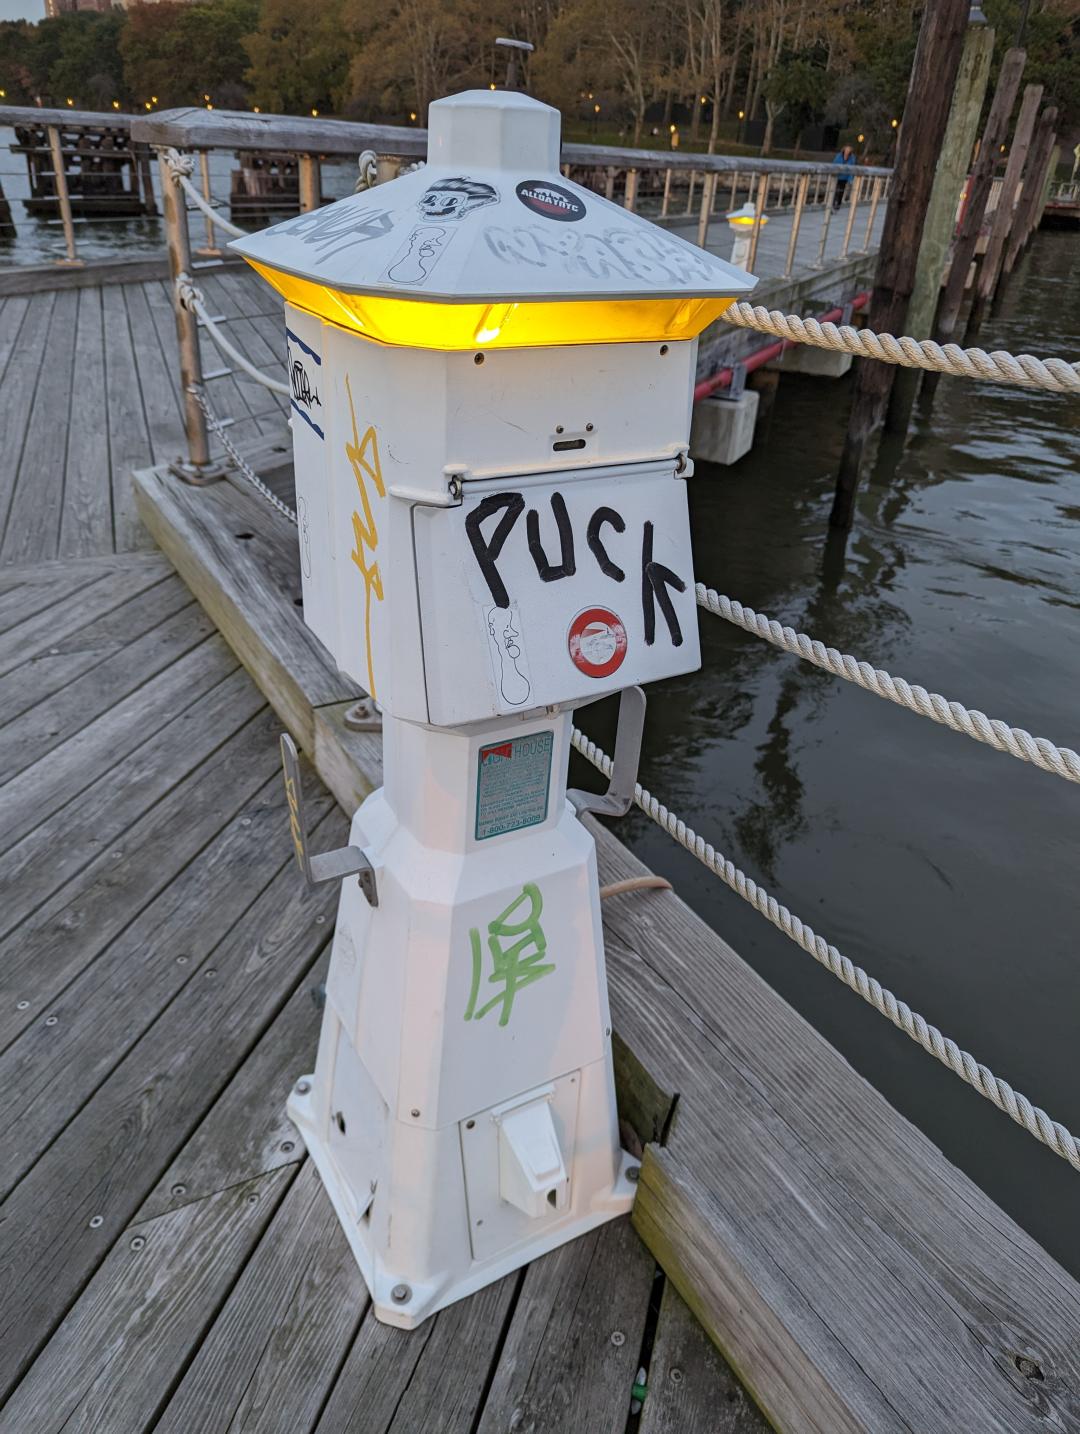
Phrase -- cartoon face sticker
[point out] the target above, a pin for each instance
(454, 198)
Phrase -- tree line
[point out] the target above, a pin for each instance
(702, 74)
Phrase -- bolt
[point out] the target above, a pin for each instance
(618, 1339)
(179, 1189)
(210, 972)
(401, 1294)
(302, 1087)
(245, 821)
(676, 1376)
(181, 960)
(470, 1125)
(287, 1147)
(138, 1242)
(253, 1198)
(632, 1173)
(415, 1113)
(96, 1221)
(320, 920)
(22, 1006)
(50, 1020)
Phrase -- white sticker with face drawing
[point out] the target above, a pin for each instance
(508, 660)
(442, 205)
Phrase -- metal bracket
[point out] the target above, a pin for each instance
(328, 865)
(619, 797)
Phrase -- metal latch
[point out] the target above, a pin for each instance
(328, 865)
(619, 797)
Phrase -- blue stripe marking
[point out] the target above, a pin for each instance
(306, 419)
(301, 344)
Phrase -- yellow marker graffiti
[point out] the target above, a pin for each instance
(294, 819)
(363, 454)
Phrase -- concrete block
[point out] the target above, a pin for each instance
(723, 428)
(803, 358)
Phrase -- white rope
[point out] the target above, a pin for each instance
(368, 164)
(191, 298)
(1056, 375)
(1061, 761)
(1034, 1120)
(181, 167)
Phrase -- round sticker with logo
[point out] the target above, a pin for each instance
(597, 642)
(550, 201)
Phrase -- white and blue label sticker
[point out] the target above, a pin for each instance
(305, 381)
(512, 782)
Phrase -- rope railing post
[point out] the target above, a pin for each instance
(708, 189)
(826, 220)
(755, 233)
(853, 205)
(690, 193)
(875, 200)
(198, 467)
(212, 247)
(796, 222)
(310, 176)
(630, 194)
(666, 201)
(61, 189)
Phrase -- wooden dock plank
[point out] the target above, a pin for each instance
(86, 521)
(129, 433)
(160, 399)
(23, 378)
(82, 834)
(574, 1343)
(240, 394)
(40, 789)
(46, 725)
(229, 575)
(109, 1365)
(274, 1352)
(66, 661)
(113, 1152)
(52, 1070)
(33, 520)
(690, 1386)
(247, 1132)
(77, 607)
(435, 1377)
(11, 328)
(65, 934)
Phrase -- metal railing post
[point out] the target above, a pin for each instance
(853, 204)
(61, 190)
(755, 235)
(800, 201)
(830, 190)
(667, 194)
(198, 467)
(875, 200)
(212, 246)
(310, 183)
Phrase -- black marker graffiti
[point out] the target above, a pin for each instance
(547, 571)
(302, 390)
(596, 543)
(655, 581)
(486, 550)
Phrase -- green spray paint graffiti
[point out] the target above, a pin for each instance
(517, 948)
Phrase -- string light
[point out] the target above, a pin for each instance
(116, 104)
(596, 109)
(895, 123)
(314, 114)
(71, 102)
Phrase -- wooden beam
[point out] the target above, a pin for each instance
(1031, 197)
(1004, 214)
(933, 78)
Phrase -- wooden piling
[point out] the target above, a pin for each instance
(1034, 187)
(967, 103)
(990, 269)
(933, 79)
(978, 191)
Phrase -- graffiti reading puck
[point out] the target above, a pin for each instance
(551, 201)
(597, 642)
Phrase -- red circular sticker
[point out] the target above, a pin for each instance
(597, 642)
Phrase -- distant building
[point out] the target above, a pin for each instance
(65, 7)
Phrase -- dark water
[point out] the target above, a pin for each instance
(948, 870)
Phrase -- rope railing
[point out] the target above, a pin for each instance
(1025, 370)
(1060, 761)
(191, 298)
(993, 1088)
(182, 167)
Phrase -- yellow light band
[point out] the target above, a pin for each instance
(424, 324)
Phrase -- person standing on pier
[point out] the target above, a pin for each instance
(847, 161)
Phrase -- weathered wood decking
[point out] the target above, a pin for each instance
(169, 1260)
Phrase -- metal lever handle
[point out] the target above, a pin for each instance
(328, 865)
(619, 797)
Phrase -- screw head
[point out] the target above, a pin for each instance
(245, 821)
(302, 1087)
(50, 1020)
(676, 1376)
(23, 1006)
(414, 1113)
(138, 1242)
(633, 1173)
(96, 1221)
(253, 1198)
(401, 1294)
(287, 1147)
(179, 1189)
(181, 960)
(618, 1339)
(320, 920)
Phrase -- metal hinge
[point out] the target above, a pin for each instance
(327, 865)
(619, 797)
